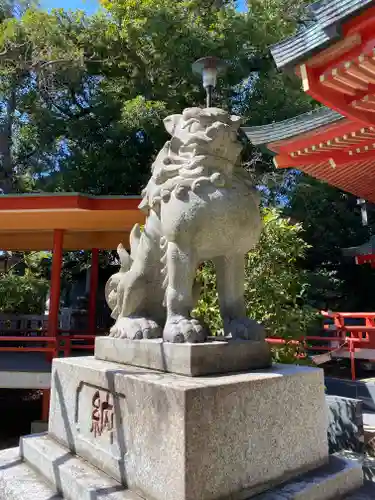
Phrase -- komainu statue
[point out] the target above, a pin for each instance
(201, 206)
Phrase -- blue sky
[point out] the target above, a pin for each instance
(90, 5)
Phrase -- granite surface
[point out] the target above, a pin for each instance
(18, 481)
(338, 477)
(71, 476)
(48, 467)
(183, 438)
(345, 424)
(185, 359)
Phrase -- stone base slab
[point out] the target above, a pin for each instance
(215, 357)
(337, 478)
(42, 469)
(183, 438)
(69, 475)
(18, 481)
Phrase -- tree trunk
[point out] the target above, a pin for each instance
(6, 141)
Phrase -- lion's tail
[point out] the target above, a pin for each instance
(126, 260)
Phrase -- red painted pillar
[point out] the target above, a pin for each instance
(94, 279)
(45, 404)
(54, 301)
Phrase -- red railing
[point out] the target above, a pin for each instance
(347, 338)
(37, 340)
(304, 343)
(66, 342)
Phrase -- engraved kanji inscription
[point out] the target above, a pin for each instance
(102, 415)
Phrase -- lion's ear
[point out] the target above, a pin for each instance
(171, 122)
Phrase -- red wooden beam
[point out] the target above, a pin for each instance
(45, 404)
(333, 157)
(311, 139)
(67, 201)
(48, 350)
(363, 22)
(287, 161)
(357, 315)
(331, 99)
(365, 259)
(54, 305)
(15, 338)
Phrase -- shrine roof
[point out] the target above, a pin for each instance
(28, 221)
(326, 19)
(335, 58)
(291, 127)
(367, 248)
(326, 146)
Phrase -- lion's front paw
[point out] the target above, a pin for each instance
(179, 329)
(244, 329)
(135, 328)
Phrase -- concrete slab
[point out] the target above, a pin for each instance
(48, 468)
(24, 370)
(331, 481)
(172, 437)
(71, 476)
(185, 359)
(18, 481)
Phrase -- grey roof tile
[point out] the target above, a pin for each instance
(292, 127)
(328, 16)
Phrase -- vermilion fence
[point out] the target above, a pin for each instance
(29, 333)
(340, 338)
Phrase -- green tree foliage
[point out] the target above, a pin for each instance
(276, 287)
(40, 61)
(332, 222)
(22, 294)
(84, 97)
(81, 109)
(23, 289)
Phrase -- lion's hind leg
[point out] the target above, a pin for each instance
(230, 274)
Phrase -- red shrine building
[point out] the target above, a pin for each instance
(60, 222)
(334, 57)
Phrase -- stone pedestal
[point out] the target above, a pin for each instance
(217, 356)
(121, 432)
(178, 438)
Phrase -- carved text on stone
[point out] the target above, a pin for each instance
(102, 414)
